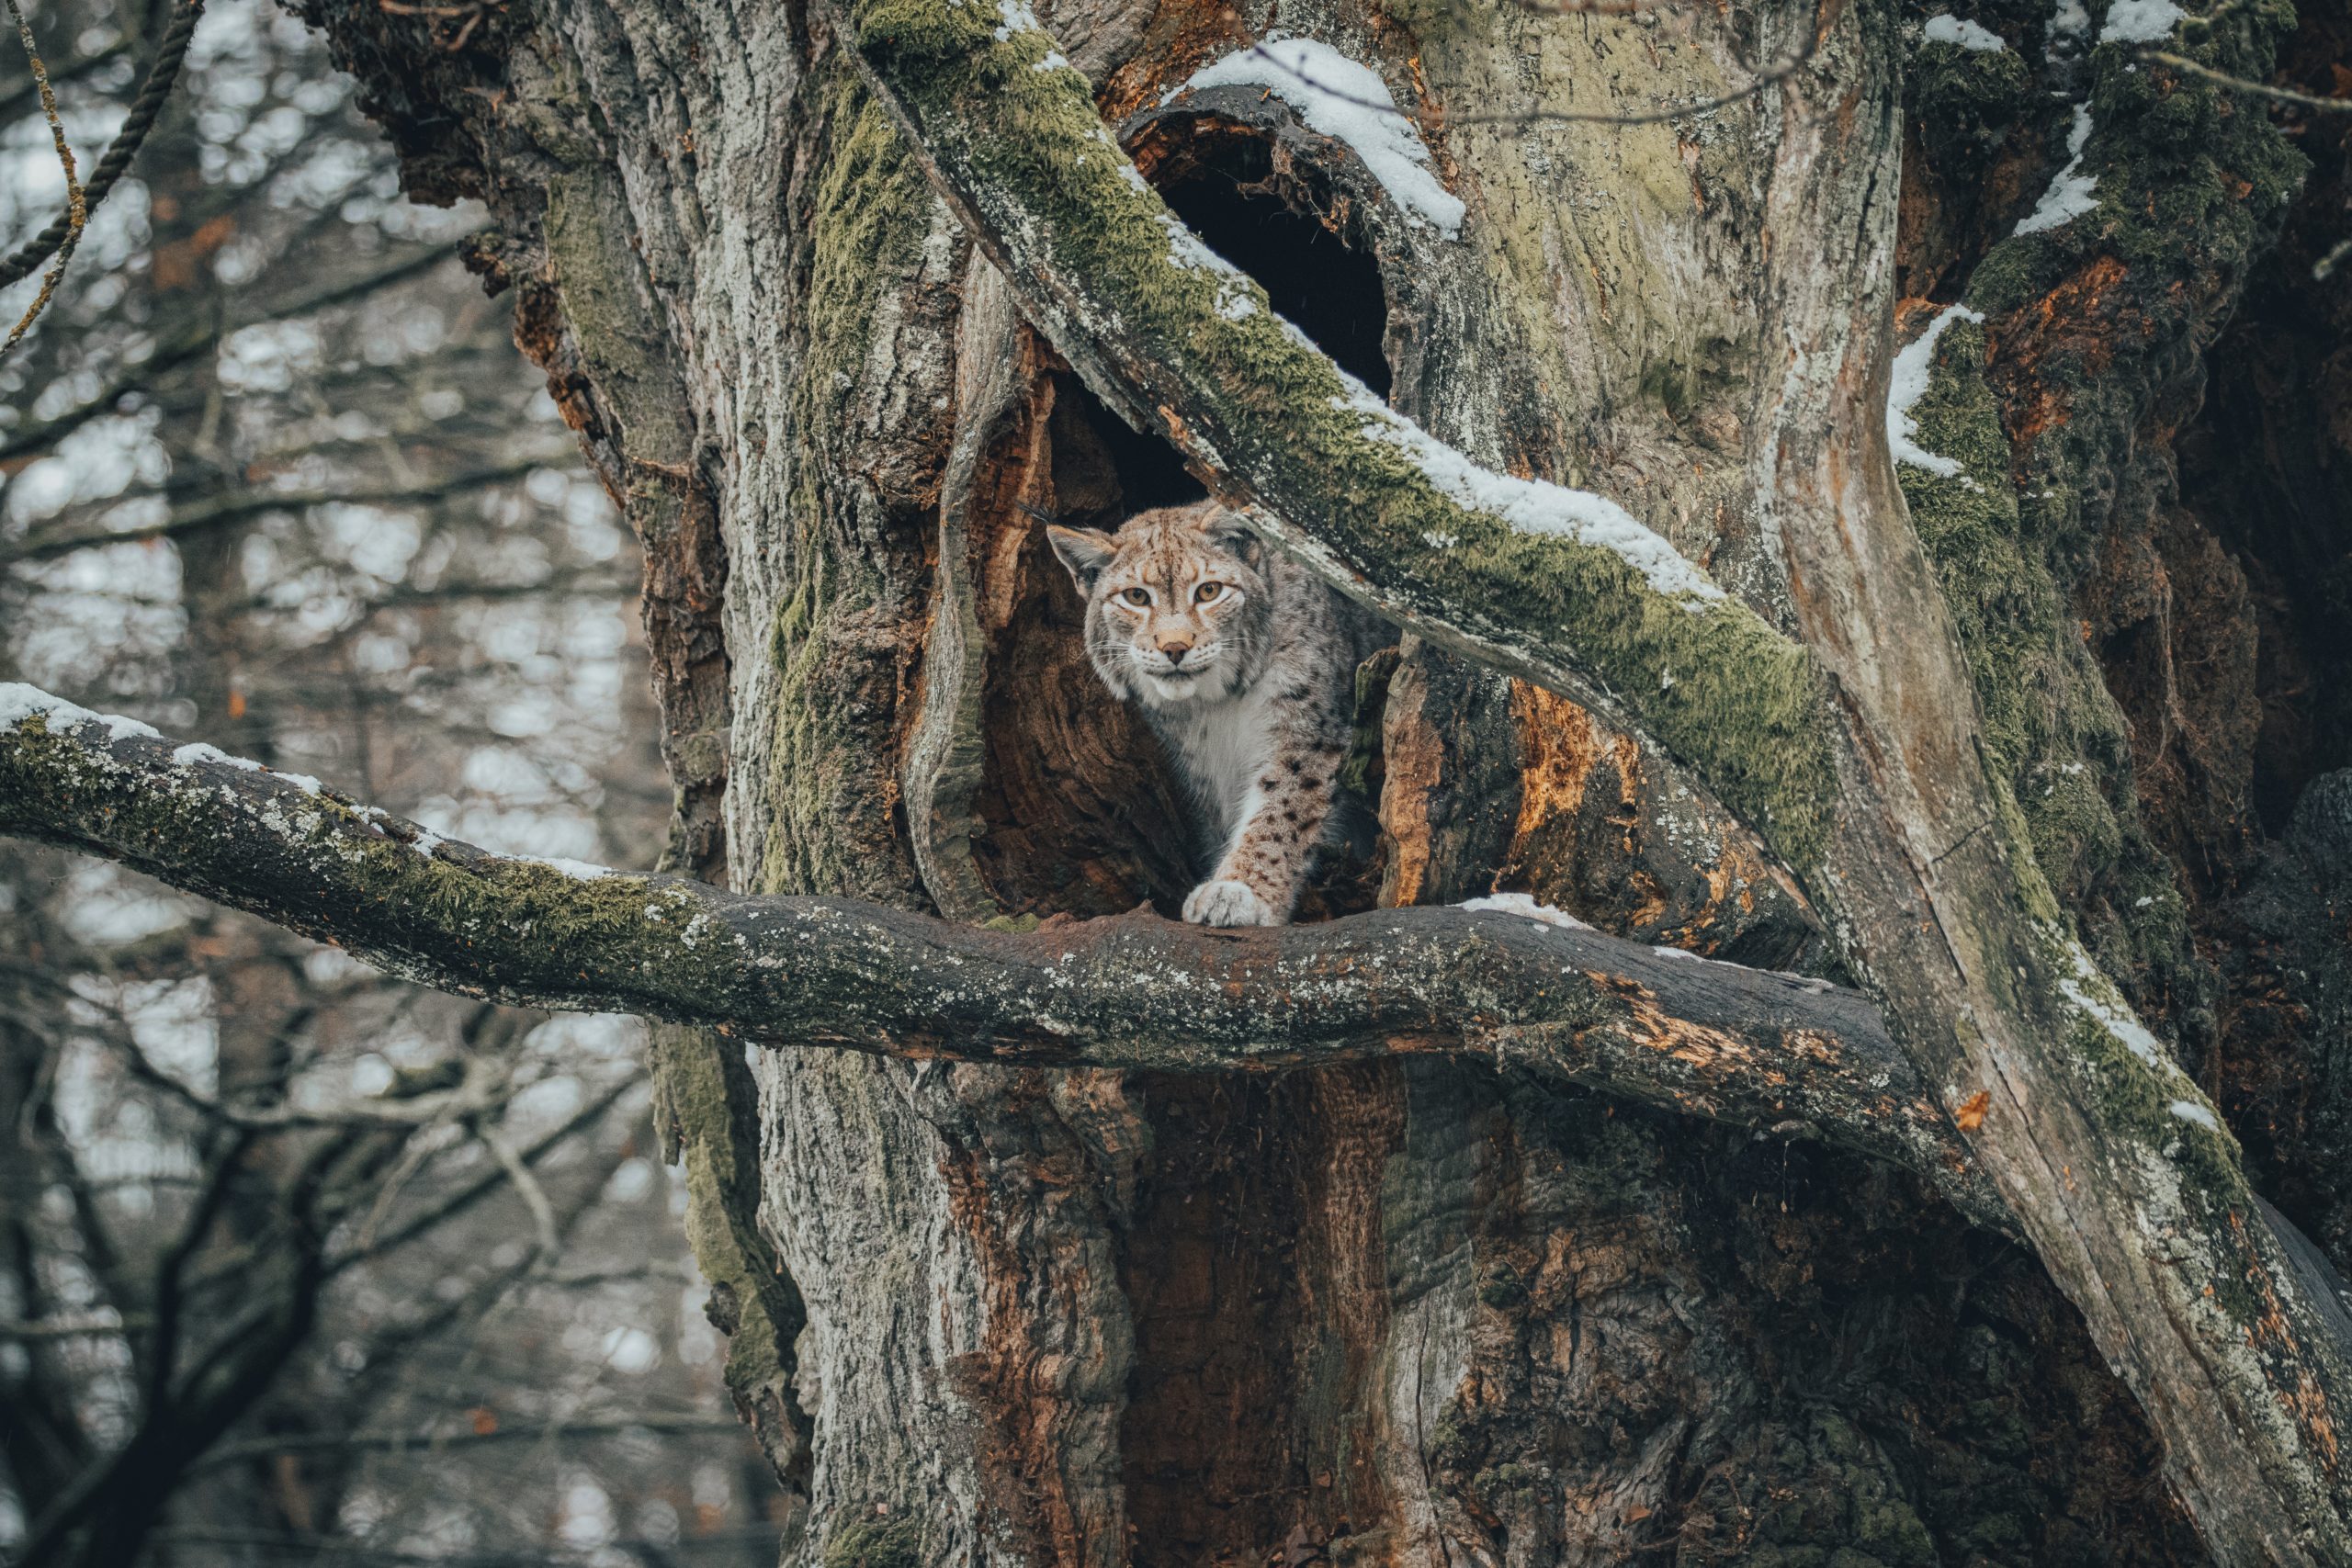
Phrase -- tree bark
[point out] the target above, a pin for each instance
(1412, 1310)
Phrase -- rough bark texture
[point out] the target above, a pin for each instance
(1422, 1312)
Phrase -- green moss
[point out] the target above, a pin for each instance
(1963, 103)
(2052, 732)
(879, 1543)
(870, 213)
(704, 1089)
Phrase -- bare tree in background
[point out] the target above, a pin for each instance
(296, 1259)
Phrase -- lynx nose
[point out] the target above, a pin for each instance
(1174, 648)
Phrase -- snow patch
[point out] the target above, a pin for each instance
(2071, 20)
(19, 702)
(1340, 98)
(1535, 506)
(1015, 16)
(1525, 905)
(1053, 62)
(1967, 34)
(196, 751)
(577, 870)
(2072, 192)
(2140, 21)
(1186, 251)
(2095, 994)
(2190, 1111)
(1909, 383)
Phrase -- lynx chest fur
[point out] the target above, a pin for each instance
(1244, 665)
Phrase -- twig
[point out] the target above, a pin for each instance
(1788, 67)
(475, 1190)
(89, 1325)
(2261, 89)
(77, 208)
(36, 439)
(526, 1185)
(2326, 266)
(66, 231)
(348, 1549)
(410, 1442)
(18, 102)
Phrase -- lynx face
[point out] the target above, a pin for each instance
(1178, 606)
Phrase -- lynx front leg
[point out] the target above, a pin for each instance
(1256, 882)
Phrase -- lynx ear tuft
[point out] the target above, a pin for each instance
(1085, 551)
(1232, 534)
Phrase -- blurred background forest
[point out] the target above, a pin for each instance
(299, 1263)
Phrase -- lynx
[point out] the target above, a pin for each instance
(1244, 666)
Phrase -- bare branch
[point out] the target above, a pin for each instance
(417, 1443)
(1658, 1025)
(88, 1325)
(545, 1244)
(77, 209)
(223, 510)
(1779, 72)
(66, 231)
(2239, 84)
(196, 340)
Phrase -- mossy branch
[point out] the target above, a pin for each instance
(1655, 1025)
(1554, 585)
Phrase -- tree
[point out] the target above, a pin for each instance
(839, 297)
(295, 1258)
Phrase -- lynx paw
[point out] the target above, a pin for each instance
(1227, 904)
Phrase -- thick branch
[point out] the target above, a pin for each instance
(1558, 585)
(1653, 1024)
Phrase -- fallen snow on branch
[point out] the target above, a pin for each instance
(19, 702)
(197, 752)
(2092, 991)
(1525, 905)
(1535, 506)
(1016, 17)
(577, 870)
(1340, 98)
(2139, 21)
(2072, 192)
(1187, 252)
(1909, 383)
(2189, 1110)
(1967, 34)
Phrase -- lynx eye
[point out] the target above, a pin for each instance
(1137, 596)
(1208, 593)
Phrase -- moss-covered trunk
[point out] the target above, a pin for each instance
(1413, 1313)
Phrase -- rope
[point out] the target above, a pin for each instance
(143, 110)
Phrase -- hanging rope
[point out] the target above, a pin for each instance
(143, 110)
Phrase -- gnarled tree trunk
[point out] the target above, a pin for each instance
(841, 310)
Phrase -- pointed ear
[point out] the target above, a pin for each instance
(1230, 534)
(1085, 551)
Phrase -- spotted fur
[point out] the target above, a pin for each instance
(1244, 665)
